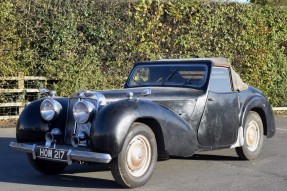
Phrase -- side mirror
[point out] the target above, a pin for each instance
(43, 91)
(46, 92)
(146, 92)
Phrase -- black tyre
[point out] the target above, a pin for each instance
(253, 137)
(135, 164)
(46, 167)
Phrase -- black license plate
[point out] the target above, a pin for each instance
(51, 154)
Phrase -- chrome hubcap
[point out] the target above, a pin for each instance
(253, 135)
(138, 156)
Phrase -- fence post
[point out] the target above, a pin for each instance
(19, 94)
(21, 85)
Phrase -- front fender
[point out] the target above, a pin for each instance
(260, 104)
(31, 127)
(112, 124)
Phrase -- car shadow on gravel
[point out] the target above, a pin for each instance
(65, 181)
(15, 168)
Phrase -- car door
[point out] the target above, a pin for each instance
(220, 121)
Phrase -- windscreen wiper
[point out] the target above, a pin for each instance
(137, 82)
(173, 72)
(187, 82)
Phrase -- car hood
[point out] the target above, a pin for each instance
(156, 94)
(181, 101)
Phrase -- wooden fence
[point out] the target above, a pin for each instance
(18, 88)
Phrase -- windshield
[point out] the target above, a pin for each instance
(169, 75)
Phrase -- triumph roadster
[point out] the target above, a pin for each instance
(173, 107)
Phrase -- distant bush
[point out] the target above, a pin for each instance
(93, 44)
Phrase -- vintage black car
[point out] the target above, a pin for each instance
(172, 107)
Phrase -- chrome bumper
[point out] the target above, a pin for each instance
(75, 155)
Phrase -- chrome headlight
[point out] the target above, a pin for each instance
(50, 109)
(82, 111)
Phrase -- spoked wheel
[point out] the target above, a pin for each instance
(135, 164)
(46, 167)
(253, 137)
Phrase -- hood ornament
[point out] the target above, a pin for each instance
(130, 95)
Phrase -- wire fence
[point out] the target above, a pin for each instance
(16, 92)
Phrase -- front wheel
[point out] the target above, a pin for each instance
(253, 137)
(46, 167)
(135, 164)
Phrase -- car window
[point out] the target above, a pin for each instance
(220, 80)
(169, 75)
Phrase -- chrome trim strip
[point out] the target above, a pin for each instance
(92, 95)
(90, 156)
(71, 154)
(33, 151)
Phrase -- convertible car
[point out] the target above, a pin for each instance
(172, 107)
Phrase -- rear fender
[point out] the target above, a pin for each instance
(260, 105)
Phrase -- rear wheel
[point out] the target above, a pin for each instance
(46, 167)
(253, 137)
(135, 164)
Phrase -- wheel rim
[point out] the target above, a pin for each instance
(252, 135)
(138, 156)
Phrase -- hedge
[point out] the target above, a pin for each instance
(93, 44)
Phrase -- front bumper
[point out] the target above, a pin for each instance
(72, 155)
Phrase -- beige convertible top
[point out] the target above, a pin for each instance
(238, 84)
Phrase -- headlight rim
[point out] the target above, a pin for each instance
(90, 110)
(56, 108)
